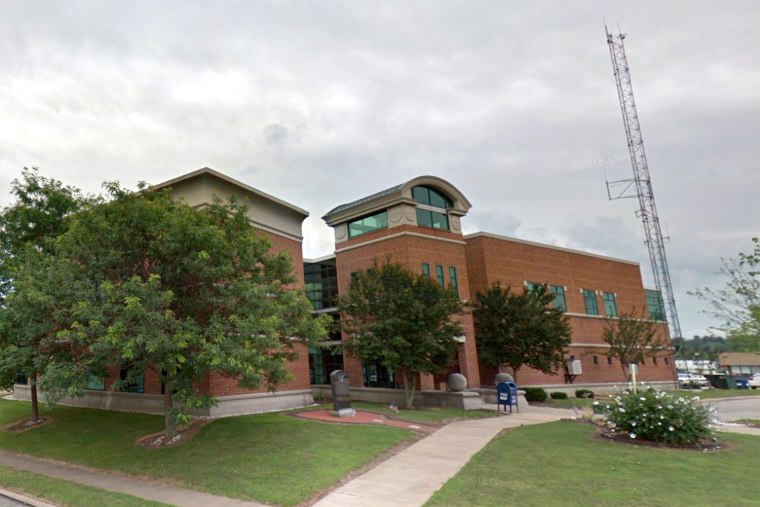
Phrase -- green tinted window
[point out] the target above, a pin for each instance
(454, 283)
(610, 304)
(439, 275)
(426, 269)
(655, 307)
(559, 301)
(589, 298)
(431, 197)
(368, 224)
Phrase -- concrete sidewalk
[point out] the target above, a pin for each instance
(410, 478)
(121, 484)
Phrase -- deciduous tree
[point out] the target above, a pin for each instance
(520, 330)
(737, 304)
(183, 292)
(31, 281)
(404, 320)
(632, 338)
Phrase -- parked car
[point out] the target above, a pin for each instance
(692, 380)
(754, 381)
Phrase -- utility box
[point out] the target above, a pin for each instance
(574, 367)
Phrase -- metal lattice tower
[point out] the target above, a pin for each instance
(647, 211)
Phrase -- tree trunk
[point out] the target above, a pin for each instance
(409, 390)
(35, 403)
(624, 367)
(170, 426)
(514, 374)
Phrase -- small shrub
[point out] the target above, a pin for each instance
(584, 393)
(535, 394)
(319, 397)
(656, 416)
(556, 395)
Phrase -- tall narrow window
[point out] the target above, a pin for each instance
(610, 304)
(453, 280)
(655, 306)
(439, 275)
(589, 298)
(559, 301)
(426, 269)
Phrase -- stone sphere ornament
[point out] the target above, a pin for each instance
(503, 377)
(456, 382)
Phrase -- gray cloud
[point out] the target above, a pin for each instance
(323, 102)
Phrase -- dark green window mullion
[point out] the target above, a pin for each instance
(426, 269)
(453, 280)
(589, 298)
(439, 275)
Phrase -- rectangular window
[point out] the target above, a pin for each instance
(559, 301)
(589, 298)
(439, 275)
(426, 269)
(654, 361)
(609, 360)
(596, 359)
(454, 284)
(434, 219)
(655, 307)
(667, 360)
(95, 383)
(368, 224)
(610, 304)
(20, 378)
(138, 381)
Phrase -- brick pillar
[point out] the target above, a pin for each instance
(468, 354)
(427, 382)
(353, 367)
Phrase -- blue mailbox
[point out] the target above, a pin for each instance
(506, 394)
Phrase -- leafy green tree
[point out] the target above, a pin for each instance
(737, 304)
(632, 338)
(184, 293)
(520, 330)
(404, 320)
(31, 281)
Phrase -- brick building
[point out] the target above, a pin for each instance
(416, 224)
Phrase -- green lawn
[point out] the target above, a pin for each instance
(568, 403)
(426, 415)
(560, 464)
(66, 493)
(272, 458)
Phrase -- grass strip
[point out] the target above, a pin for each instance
(66, 493)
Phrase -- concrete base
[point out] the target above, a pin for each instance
(153, 403)
(344, 412)
(465, 400)
(488, 395)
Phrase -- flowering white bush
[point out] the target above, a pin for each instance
(657, 416)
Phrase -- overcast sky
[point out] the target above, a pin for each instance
(320, 103)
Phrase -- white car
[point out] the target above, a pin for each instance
(687, 380)
(754, 381)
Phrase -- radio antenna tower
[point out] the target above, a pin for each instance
(641, 183)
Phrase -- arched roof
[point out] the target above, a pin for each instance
(395, 195)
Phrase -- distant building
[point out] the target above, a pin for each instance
(740, 363)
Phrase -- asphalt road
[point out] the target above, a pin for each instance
(738, 408)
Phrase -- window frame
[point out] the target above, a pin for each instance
(589, 296)
(383, 213)
(610, 302)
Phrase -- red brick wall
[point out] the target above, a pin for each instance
(411, 252)
(513, 263)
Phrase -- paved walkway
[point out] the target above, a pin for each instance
(136, 487)
(410, 478)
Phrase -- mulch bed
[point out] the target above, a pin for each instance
(184, 434)
(364, 417)
(703, 445)
(27, 424)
